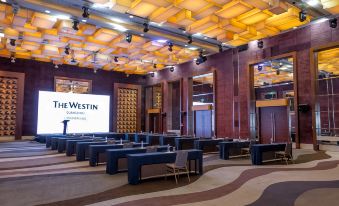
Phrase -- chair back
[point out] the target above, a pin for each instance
(181, 158)
(128, 145)
(288, 148)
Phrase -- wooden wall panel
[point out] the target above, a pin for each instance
(40, 76)
(232, 106)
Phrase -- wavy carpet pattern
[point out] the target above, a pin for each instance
(30, 174)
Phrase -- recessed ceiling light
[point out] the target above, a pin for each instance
(47, 11)
(3, 1)
(312, 2)
(142, 34)
(205, 37)
(131, 16)
(162, 41)
(84, 20)
(186, 45)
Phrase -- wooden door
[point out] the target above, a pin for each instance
(274, 124)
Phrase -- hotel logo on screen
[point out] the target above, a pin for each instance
(74, 105)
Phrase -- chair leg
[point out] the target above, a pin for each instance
(188, 174)
(175, 176)
(286, 159)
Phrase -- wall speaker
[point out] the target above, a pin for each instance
(304, 108)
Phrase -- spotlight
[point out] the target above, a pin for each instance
(260, 44)
(146, 27)
(333, 23)
(190, 40)
(152, 74)
(95, 70)
(12, 42)
(67, 50)
(85, 13)
(278, 72)
(56, 66)
(302, 16)
(128, 38)
(220, 48)
(15, 9)
(12, 59)
(202, 58)
(116, 59)
(170, 46)
(154, 66)
(75, 25)
(73, 61)
(259, 68)
(127, 75)
(171, 69)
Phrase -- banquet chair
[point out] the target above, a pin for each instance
(287, 154)
(180, 164)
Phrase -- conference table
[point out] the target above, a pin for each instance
(135, 162)
(231, 148)
(168, 140)
(95, 151)
(82, 149)
(71, 145)
(153, 139)
(207, 145)
(114, 155)
(182, 143)
(63, 140)
(262, 152)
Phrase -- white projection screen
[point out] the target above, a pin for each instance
(87, 113)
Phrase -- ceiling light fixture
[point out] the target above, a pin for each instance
(172, 68)
(152, 74)
(131, 16)
(154, 66)
(190, 40)
(56, 66)
(260, 68)
(260, 44)
(84, 20)
(73, 61)
(333, 23)
(146, 27)
(312, 2)
(47, 11)
(170, 46)
(85, 13)
(12, 42)
(302, 16)
(116, 59)
(95, 70)
(15, 8)
(4, 1)
(75, 25)
(128, 37)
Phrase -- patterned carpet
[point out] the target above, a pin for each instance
(30, 174)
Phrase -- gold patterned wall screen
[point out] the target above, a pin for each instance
(157, 97)
(127, 110)
(8, 100)
(72, 85)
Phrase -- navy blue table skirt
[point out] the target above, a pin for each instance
(96, 150)
(183, 143)
(227, 149)
(259, 149)
(207, 145)
(82, 149)
(48, 139)
(136, 161)
(140, 137)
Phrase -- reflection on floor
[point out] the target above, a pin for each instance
(30, 174)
